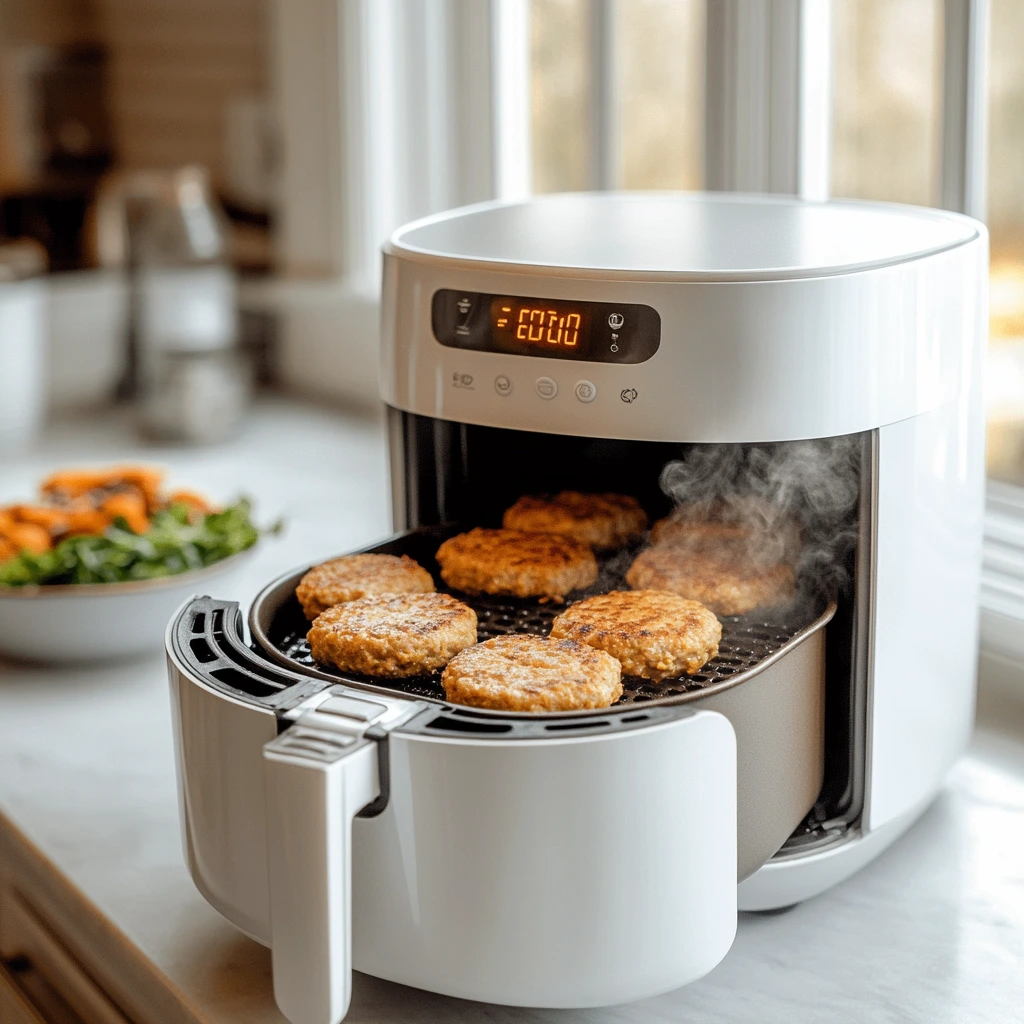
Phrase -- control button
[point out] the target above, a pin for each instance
(546, 387)
(628, 395)
(586, 391)
(503, 385)
(616, 320)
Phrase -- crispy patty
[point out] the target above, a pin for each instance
(747, 524)
(603, 521)
(353, 576)
(652, 633)
(727, 583)
(672, 530)
(393, 635)
(532, 673)
(513, 562)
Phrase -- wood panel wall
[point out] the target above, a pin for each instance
(175, 65)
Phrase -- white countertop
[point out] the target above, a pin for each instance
(933, 931)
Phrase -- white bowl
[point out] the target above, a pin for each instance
(83, 622)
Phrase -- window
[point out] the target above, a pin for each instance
(660, 76)
(560, 72)
(886, 99)
(886, 142)
(617, 83)
(1006, 224)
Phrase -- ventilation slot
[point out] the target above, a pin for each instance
(241, 681)
(199, 622)
(467, 725)
(566, 726)
(202, 651)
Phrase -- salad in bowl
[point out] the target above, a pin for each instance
(97, 564)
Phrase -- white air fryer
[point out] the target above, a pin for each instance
(601, 342)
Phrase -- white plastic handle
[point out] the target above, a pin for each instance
(317, 781)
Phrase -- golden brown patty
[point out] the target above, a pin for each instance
(532, 673)
(726, 583)
(652, 633)
(671, 530)
(603, 521)
(393, 635)
(750, 525)
(513, 562)
(354, 576)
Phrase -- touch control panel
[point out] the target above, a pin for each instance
(601, 332)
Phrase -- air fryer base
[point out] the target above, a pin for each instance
(785, 881)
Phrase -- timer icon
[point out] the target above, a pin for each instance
(616, 320)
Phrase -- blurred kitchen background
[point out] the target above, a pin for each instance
(193, 192)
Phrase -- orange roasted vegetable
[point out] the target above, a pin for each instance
(68, 484)
(198, 505)
(84, 502)
(131, 506)
(28, 537)
(53, 520)
(86, 521)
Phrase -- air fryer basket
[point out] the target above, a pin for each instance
(768, 680)
(750, 643)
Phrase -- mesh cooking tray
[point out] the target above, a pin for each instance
(749, 642)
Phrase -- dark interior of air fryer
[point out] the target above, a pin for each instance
(468, 475)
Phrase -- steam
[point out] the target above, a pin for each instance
(798, 500)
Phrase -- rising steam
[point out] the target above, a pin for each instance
(814, 484)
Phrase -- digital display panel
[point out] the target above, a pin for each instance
(553, 328)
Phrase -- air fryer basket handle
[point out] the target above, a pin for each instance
(317, 781)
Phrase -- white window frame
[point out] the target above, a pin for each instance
(407, 107)
(964, 155)
(768, 97)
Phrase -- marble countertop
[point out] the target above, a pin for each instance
(933, 931)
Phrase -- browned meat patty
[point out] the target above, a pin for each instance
(513, 562)
(353, 576)
(671, 530)
(393, 635)
(749, 525)
(603, 521)
(728, 584)
(532, 673)
(652, 633)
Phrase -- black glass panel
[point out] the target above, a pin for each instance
(600, 332)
